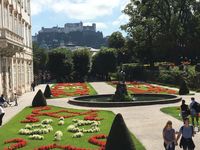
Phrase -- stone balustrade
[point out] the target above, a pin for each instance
(9, 35)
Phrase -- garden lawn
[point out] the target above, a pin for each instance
(174, 112)
(61, 90)
(137, 87)
(10, 130)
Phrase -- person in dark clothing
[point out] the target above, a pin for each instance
(2, 113)
(193, 112)
(3, 102)
(33, 86)
(185, 112)
(187, 133)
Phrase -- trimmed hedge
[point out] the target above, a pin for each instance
(184, 90)
(39, 100)
(47, 92)
(119, 137)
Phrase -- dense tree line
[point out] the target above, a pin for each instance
(64, 65)
(164, 30)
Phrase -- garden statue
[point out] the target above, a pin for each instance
(122, 75)
(121, 93)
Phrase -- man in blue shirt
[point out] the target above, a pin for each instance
(193, 112)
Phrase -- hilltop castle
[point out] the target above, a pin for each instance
(70, 27)
(71, 34)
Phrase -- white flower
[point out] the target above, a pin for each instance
(47, 121)
(62, 118)
(78, 135)
(36, 137)
(61, 122)
(58, 135)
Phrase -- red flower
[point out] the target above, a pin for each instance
(89, 115)
(19, 143)
(95, 140)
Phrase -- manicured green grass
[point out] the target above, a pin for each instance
(10, 130)
(92, 90)
(174, 112)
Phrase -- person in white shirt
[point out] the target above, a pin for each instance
(2, 113)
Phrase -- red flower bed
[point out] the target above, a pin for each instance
(70, 89)
(19, 143)
(93, 140)
(96, 140)
(89, 115)
(63, 147)
(142, 88)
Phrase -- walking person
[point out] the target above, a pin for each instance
(185, 112)
(169, 136)
(2, 113)
(193, 112)
(15, 99)
(33, 86)
(187, 133)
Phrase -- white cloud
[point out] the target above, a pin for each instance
(78, 9)
(37, 6)
(122, 19)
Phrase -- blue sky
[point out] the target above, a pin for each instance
(105, 13)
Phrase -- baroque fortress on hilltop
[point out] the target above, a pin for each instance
(71, 27)
(69, 36)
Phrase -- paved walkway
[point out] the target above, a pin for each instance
(146, 122)
(103, 88)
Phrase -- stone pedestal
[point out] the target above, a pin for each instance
(121, 93)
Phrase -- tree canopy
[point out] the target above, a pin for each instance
(104, 62)
(60, 64)
(163, 28)
(81, 62)
(116, 40)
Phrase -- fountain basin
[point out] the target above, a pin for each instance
(140, 100)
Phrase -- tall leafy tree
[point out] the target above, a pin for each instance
(60, 64)
(116, 40)
(162, 27)
(104, 62)
(81, 62)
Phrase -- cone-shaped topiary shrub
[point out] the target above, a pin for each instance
(39, 100)
(119, 137)
(184, 90)
(47, 92)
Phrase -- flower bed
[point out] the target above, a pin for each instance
(47, 134)
(142, 88)
(71, 89)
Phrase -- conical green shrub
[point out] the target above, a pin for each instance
(184, 90)
(47, 92)
(119, 137)
(39, 100)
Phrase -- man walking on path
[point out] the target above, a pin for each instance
(193, 112)
(33, 86)
(2, 113)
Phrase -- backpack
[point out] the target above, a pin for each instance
(196, 107)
